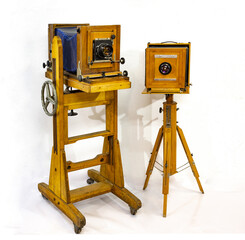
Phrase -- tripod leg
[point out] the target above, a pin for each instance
(189, 157)
(166, 167)
(153, 157)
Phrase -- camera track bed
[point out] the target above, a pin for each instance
(96, 85)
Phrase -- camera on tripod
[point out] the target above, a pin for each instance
(167, 67)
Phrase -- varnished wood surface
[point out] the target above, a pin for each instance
(98, 160)
(167, 133)
(67, 208)
(85, 46)
(90, 191)
(102, 85)
(164, 91)
(175, 81)
(110, 178)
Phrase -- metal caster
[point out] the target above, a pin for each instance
(133, 211)
(44, 197)
(77, 229)
(90, 181)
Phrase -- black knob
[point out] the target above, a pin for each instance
(78, 30)
(122, 60)
(48, 64)
(72, 113)
(160, 110)
(125, 73)
(113, 36)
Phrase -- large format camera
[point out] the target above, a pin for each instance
(89, 51)
(167, 67)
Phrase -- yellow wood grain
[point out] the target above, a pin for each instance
(110, 178)
(89, 191)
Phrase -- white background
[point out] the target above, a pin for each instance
(211, 116)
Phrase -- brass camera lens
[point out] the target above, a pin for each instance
(104, 50)
(165, 68)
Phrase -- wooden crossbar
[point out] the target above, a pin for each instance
(104, 133)
(98, 160)
(90, 191)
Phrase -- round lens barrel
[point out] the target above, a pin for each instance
(105, 50)
(165, 68)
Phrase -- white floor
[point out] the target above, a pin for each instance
(220, 210)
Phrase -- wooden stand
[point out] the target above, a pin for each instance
(110, 177)
(168, 133)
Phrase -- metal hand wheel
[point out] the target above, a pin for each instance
(49, 98)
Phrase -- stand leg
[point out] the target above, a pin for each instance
(121, 192)
(153, 157)
(189, 157)
(166, 167)
(67, 208)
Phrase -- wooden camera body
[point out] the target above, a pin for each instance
(96, 49)
(167, 67)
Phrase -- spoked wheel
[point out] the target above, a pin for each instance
(49, 98)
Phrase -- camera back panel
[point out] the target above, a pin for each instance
(167, 67)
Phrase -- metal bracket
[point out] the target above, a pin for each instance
(168, 116)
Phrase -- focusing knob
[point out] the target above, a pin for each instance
(122, 60)
(113, 36)
(48, 64)
(160, 110)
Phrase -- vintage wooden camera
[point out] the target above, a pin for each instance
(167, 67)
(83, 69)
(89, 51)
(167, 72)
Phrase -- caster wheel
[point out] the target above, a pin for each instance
(44, 197)
(77, 229)
(90, 181)
(133, 211)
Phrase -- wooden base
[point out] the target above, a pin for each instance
(67, 208)
(167, 133)
(121, 192)
(102, 186)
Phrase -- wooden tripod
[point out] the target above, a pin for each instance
(110, 176)
(168, 133)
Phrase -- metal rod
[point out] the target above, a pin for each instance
(183, 169)
(182, 165)
(159, 163)
(158, 169)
